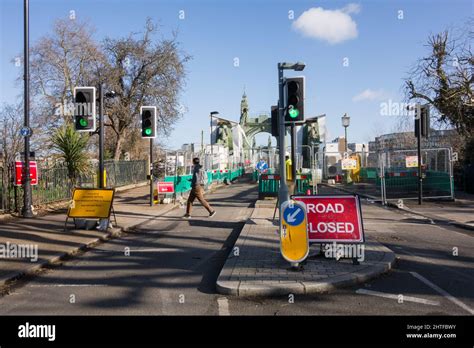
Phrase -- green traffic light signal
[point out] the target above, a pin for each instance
(83, 122)
(148, 131)
(293, 112)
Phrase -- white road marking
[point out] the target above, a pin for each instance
(63, 285)
(223, 305)
(443, 292)
(395, 297)
(430, 260)
(154, 250)
(139, 250)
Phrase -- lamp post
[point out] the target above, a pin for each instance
(345, 123)
(210, 132)
(283, 193)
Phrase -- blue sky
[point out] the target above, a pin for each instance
(380, 48)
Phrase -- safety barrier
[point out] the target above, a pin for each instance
(269, 184)
(182, 183)
(404, 184)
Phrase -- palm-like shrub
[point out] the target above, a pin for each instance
(72, 147)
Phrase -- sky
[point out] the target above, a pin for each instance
(357, 53)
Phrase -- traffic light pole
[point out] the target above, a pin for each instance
(418, 137)
(293, 154)
(27, 198)
(151, 172)
(283, 193)
(101, 137)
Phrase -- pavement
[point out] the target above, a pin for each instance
(46, 233)
(173, 264)
(256, 267)
(170, 268)
(459, 213)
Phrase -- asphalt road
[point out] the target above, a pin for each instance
(172, 266)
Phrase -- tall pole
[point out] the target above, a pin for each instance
(212, 151)
(418, 141)
(101, 137)
(345, 137)
(27, 198)
(151, 172)
(293, 153)
(283, 194)
(202, 141)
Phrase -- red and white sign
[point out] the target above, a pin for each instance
(165, 187)
(19, 173)
(333, 218)
(269, 177)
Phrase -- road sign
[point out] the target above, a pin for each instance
(262, 166)
(333, 218)
(294, 244)
(411, 161)
(91, 203)
(348, 164)
(19, 173)
(455, 156)
(165, 187)
(26, 131)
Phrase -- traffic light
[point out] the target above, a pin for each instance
(148, 121)
(423, 113)
(294, 88)
(275, 121)
(84, 109)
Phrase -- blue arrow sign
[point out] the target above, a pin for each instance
(25, 131)
(261, 166)
(293, 216)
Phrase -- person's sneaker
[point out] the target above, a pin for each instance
(186, 216)
(212, 214)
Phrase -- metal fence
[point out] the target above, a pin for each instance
(54, 184)
(393, 174)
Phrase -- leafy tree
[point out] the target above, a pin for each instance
(72, 147)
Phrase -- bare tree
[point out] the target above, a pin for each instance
(445, 80)
(11, 122)
(60, 61)
(143, 71)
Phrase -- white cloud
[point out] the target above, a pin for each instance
(369, 94)
(333, 26)
(351, 8)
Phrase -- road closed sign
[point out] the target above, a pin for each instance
(294, 244)
(333, 218)
(165, 187)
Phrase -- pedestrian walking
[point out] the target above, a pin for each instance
(198, 182)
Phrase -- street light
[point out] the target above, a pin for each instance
(27, 212)
(345, 123)
(298, 66)
(283, 193)
(212, 151)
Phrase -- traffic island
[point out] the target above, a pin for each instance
(255, 266)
